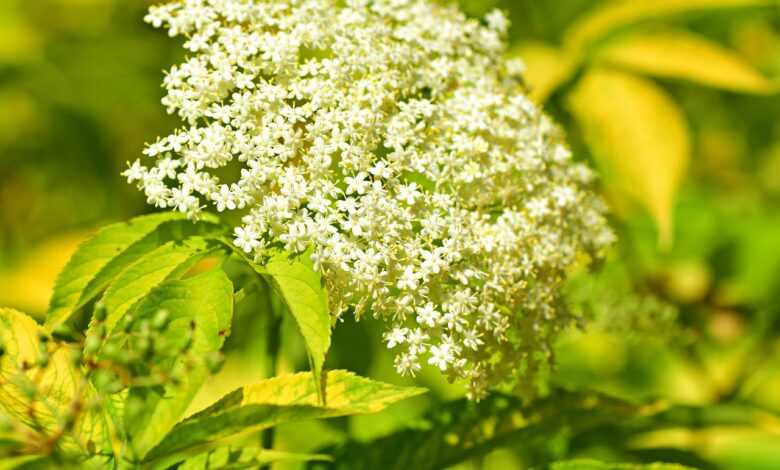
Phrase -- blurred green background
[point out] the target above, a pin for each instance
(687, 309)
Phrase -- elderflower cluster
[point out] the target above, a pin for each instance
(391, 142)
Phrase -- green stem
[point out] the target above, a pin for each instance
(273, 345)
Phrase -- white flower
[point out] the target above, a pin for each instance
(471, 340)
(407, 364)
(417, 338)
(408, 280)
(224, 199)
(246, 239)
(427, 315)
(182, 200)
(357, 184)
(408, 193)
(442, 356)
(404, 153)
(134, 172)
(396, 336)
(564, 196)
(496, 20)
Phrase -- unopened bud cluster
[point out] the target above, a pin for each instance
(142, 352)
(391, 139)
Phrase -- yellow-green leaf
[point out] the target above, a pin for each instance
(638, 134)
(617, 14)
(345, 393)
(40, 395)
(281, 399)
(547, 68)
(686, 56)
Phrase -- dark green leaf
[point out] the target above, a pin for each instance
(464, 430)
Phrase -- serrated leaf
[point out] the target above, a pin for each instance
(547, 68)
(39, 396)
(169, 261)
(587, 464)
(618, 14)
(91, 257)
(302, 289)
(281, 399)
(206, 300)
(685, 56)
(639, 136)
(169, 231)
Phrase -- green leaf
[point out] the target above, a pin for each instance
(302, 289)
(169, 261)
(639, 136)
(587, 464)
(173, 230)
(547, 68)
(41, 395)
(686, 56)
(206, 300)
(92, 257)
(281, 399)
(618, 14)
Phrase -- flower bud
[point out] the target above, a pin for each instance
(92, 344)
(160, 320)
(100, 312)
(214, 361)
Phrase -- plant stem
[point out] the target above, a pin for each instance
(273, 344)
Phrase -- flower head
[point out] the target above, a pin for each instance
(391, 138)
